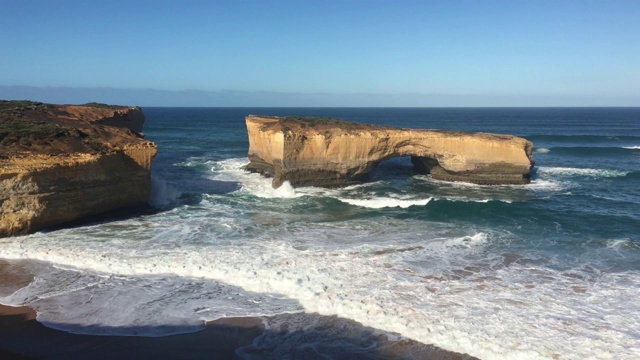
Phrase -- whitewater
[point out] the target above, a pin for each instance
(549, 270)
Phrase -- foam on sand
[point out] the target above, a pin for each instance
(463, 300)
(442, 283)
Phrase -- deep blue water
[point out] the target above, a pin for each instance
(537, 271)
(593, 153)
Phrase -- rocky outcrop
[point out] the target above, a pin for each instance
(328, 152)
(60, 163)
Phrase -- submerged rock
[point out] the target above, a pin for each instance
(329, 152)
(60, 163)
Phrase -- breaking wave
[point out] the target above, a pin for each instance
(567, 171)
(386, 202)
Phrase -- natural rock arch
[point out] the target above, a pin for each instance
(327, 152)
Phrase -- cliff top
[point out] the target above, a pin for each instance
(35, 128)
(319, 124)
(331, 126)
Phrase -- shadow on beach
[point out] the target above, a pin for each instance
(323, 337)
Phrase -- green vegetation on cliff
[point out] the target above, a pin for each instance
(104, 106)
(310, 121)
(325, 123)
(16, 128)
(24, 125)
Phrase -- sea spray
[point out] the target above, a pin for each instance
(162, 195)
(383, 202)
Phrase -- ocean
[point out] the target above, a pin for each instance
(549, 270)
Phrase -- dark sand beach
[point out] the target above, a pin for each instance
(23, 337)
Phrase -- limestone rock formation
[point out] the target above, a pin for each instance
(328, 152)
(60, 163)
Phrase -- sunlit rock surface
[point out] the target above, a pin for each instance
(60, 163)
(328, 152)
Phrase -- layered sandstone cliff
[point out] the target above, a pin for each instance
(60, 163)
(327, 152)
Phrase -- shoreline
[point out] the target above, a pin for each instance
(294, 335)
(23, 337)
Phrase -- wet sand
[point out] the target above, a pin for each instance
(288, 336)
(22, 337)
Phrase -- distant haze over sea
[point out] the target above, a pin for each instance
(232, 98)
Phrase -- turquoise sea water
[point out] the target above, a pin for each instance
(546, 270)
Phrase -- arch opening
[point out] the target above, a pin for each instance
(401, 166)
(424, 164)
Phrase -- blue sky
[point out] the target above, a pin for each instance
(323, 53)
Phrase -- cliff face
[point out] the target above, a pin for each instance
(59, 163)
(326, 152)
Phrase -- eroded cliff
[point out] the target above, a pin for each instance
(60, 163)
(328, 152)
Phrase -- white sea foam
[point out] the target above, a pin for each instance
(542, 150)
(198, 161)
(286, 190)
(232, 170)
(535, 184)
(260, 186)
(154, 305)
(581, 172)
(457, 184)
(467, 241)
(470, 199)
(632, 147)
(462, 301)
(618, 244)
(434, 282)
(256, 184)
(386, 202)
(263, 189)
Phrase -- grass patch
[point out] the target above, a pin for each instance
(16, 106)
(16, 128)
(310, 121)
(103, 106)
(19, 129)
(26, 133)
(324, 123)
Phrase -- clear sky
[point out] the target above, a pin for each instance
(388, 53)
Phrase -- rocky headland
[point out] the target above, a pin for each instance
(60, 163)
(328, 152)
